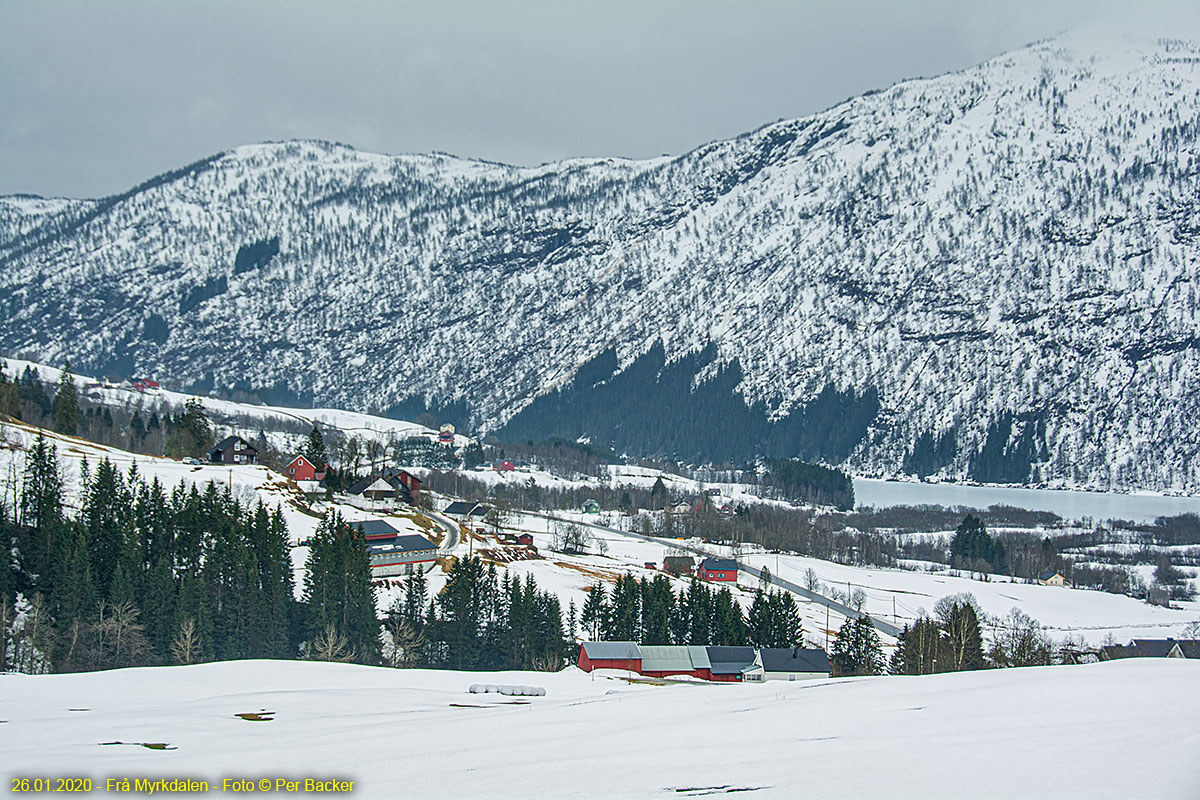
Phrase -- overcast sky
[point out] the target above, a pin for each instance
(98, 96)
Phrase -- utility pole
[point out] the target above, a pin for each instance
(827, 627)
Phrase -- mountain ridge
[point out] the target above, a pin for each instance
(1005, 256)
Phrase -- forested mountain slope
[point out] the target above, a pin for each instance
(988, 274)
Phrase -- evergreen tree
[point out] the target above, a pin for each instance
(657, 600)
(918, 649)
(623, 623)
(699, 610)
(66, 404)
(595, 609)
(41, 511)
(973, 548)
(338, 590)
(857, 650)
(106, 515)
(457, 628)
(729, 627)
(964, 640)
(658, 493)
(314, 449)
(760, 621)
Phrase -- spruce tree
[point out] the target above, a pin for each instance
(594, 611)
(41, 511)
(314, 449)
(338, 590)
(857, 650)
(729, 627)
(66, 404)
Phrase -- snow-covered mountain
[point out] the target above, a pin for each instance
(992, 273)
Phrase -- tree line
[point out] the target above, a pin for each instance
(143, 575)
(648, 611)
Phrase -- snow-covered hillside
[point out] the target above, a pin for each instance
(996, 268)
(285, 428)
(1102, 731)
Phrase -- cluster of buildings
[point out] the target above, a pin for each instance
(710, 570)
(707, 662)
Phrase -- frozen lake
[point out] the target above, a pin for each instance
(1067, 504)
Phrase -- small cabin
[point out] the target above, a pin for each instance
(1052, 578)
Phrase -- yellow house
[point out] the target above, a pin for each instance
(1052, 578)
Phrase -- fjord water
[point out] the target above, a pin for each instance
(1067, 503)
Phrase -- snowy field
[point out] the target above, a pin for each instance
(1063, 611)
(1110, 730)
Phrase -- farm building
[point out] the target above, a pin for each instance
(463, 509)
(793, 663)
(679, 565)
(591, 507)
(233, 450)
(610, 655)
(733, 664)
(718, 570)
(392, 552)
(446, 434)
(525, 539)
(1152, 648)
(662, 661)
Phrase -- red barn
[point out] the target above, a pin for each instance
(301, 469)
(718, 570)
(504, 466)
(525, 538)
(610, 655)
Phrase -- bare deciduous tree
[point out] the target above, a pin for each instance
(185, 648)
(331, 645)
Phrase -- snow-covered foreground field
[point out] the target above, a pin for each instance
(1106, 730)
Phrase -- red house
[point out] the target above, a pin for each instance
(301, 469)
(610, 655)
(718, 570)
(504, 466)
(525, 538)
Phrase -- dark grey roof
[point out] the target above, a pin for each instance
(409, 543)
(1048, 574)
(727, 660)
(463, 508)
(374, 527)
(1110, 651)
(612, 650)
(1154, 648)
(1190, 648)
(360, 486)
(794, 659)
(231, 441)
(725, 564)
